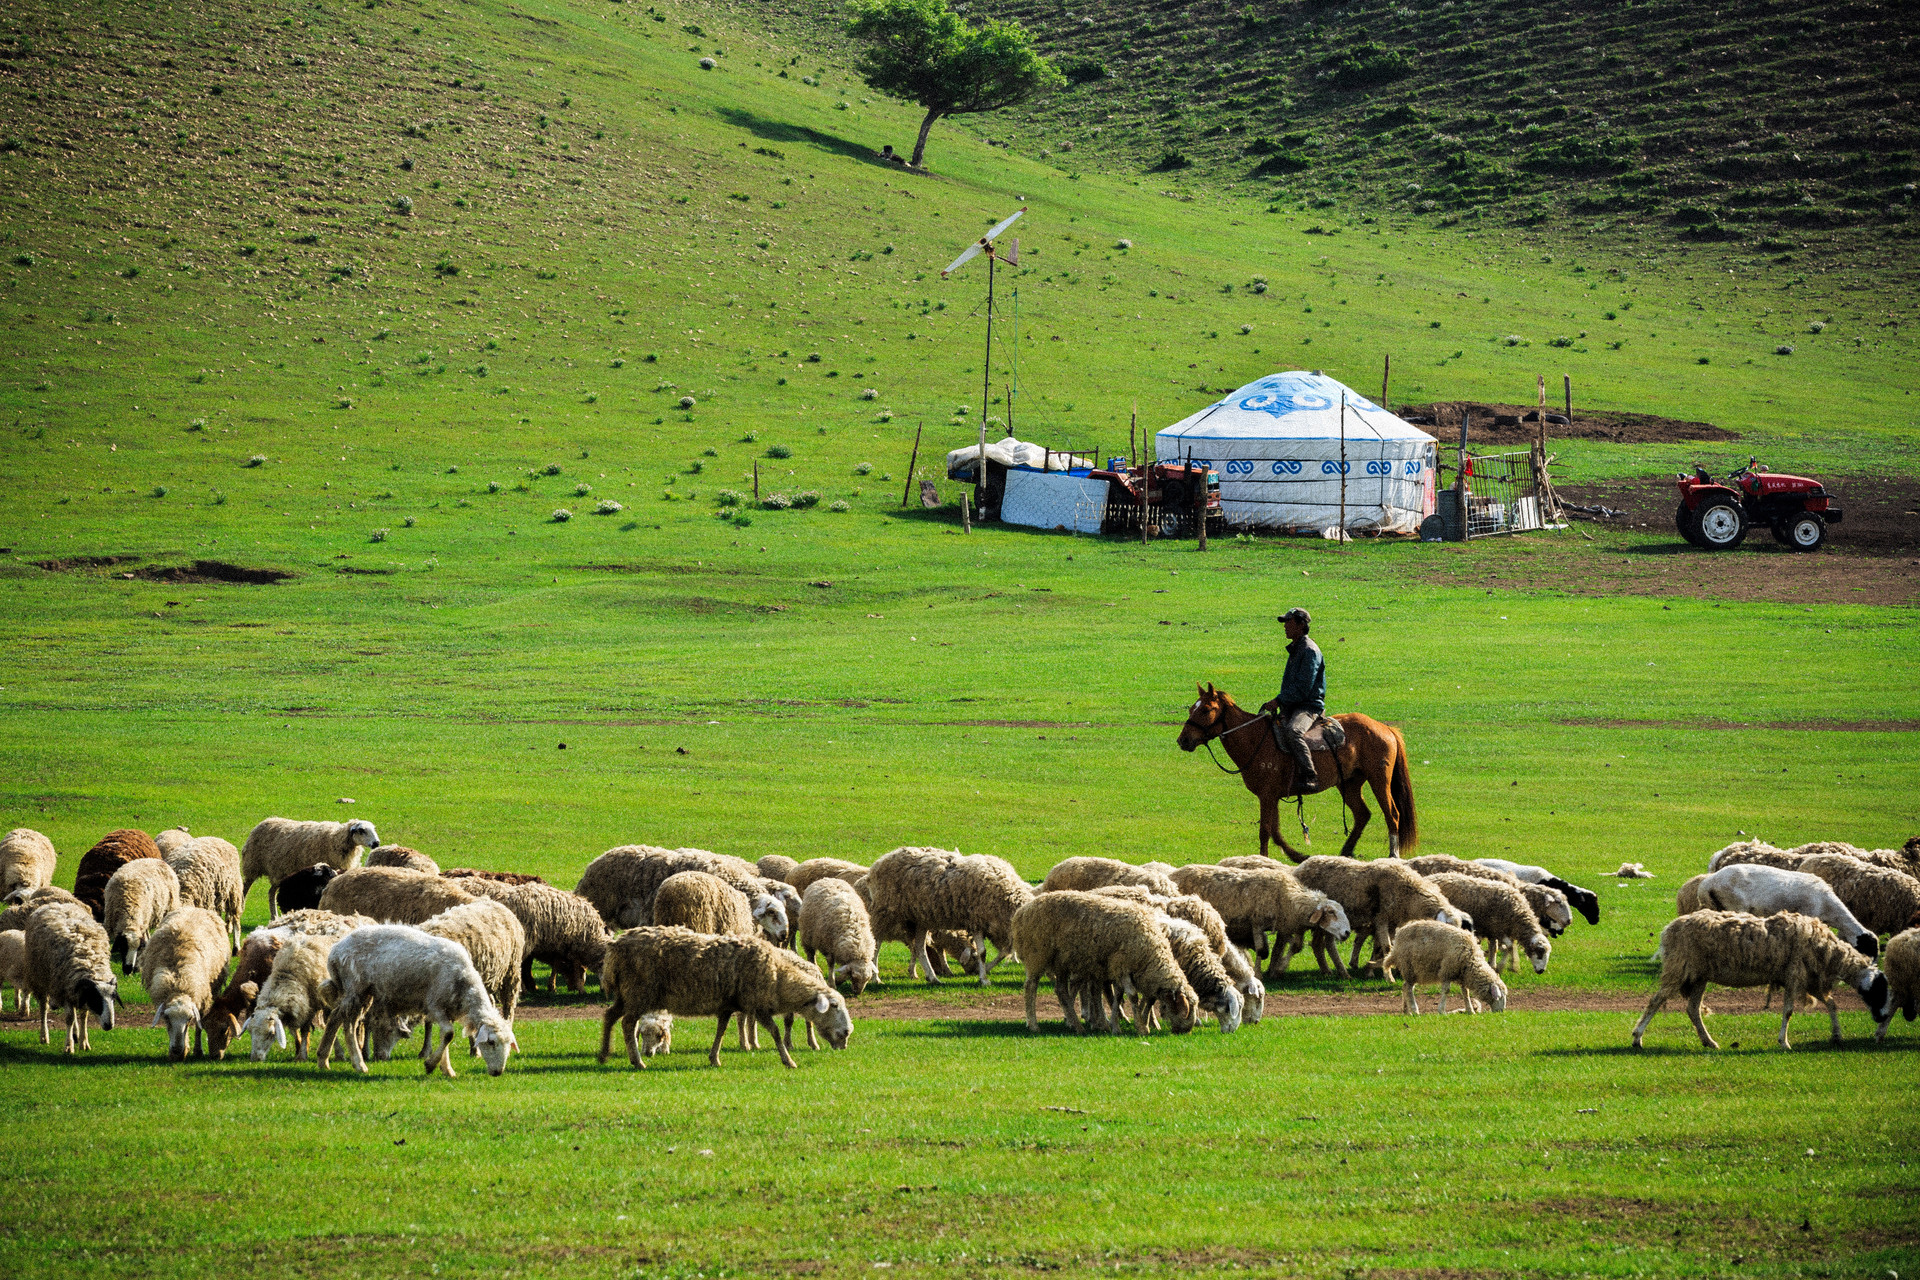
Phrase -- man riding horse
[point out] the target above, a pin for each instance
(1302, 699)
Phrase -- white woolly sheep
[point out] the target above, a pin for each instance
(564, 932)
(1501, 916)
(399, 855)
(278, 847)
(704, 903)
(656, 1033)
(1687, 900)
(26, 861)
(68, 964)
(1550, 906)
(1881, 899)
(494, 939)
(834, 920)
(1255, 901)
(1088, 940)
(1200, 913)
(1585, 901)
(209, 872)
(775, 866)
(1761, 890)
(915, 890)
(1793, 951)
(1378, 896)
(290, 998)
(172, 840)
(822, 868)
(1095, 873)
(1754, 853)
(315, 923)
(621, 882)
(139, 896)
(13, 967)
(392, 895)
(687, 974)
(1435, 951)
(181, 967)
(789, 899)
(31, 900)
(412, 974)
(1902, 961)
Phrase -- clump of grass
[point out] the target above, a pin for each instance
(885, 415)
(864, 468)
(493, 486)
(198, 424)
(839, 504)
(619, 364)
(750, 437)
(1784, 349)
(593, 397)
(608, 507)
(257, 460)
(561, 515)
(652, 357)
(378, 535)
(729, 497)
(582, 489)
(743, 520)
(403, 205)
(409, 521)
(807, 498)
(159, 491)
(697, 466)
(551, 469)
(776, 502)
(779, 451)
(687, 402)
(869, 394)
(1562, 341)
(219, 499)
(1818, 326)
(1512, 340)
(710, 452)
(1246, 328)
(1123, 244)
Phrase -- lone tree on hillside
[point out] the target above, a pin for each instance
(924, 52)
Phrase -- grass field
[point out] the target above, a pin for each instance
(583, 247)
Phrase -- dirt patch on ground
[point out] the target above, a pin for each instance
(1881, 514)
(1796, 726)
(75, 564)
(199, 571)
(1756, 572)
(1513, 424)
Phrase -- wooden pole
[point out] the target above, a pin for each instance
(1200, 504)
(1386, 372)
(1540, 413)
(756, 479)
(1460, 476)
(1566, 383)
(966, 525)
(1146, 474)
(1342, 528)
(910, 464)
(1133, 449)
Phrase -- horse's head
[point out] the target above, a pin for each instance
(1206, 718)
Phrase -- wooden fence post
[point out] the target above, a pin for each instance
(966, 525)
(756, 479)
(911, 462)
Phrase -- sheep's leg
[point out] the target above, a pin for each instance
(614, 1009)
(917, 949)
(1694, 994)
(445, 1061)
(300, 1044)
(630, 1032)
(46, 1020)
(766, 1020)
(813, 1036)
(1411, 1002)
(719, 1033)
(1445, 983)
(980, 946)
(1833, 1012)
(1032, 993)
(1654, 1006)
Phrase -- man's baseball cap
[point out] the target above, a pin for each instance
(1301, 616)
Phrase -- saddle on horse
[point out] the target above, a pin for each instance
(1325, 735)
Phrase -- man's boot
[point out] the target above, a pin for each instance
(1304, 777)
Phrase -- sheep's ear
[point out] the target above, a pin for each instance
(279, 1033)
(156, 1015)
(251, 990)
(822, 1002)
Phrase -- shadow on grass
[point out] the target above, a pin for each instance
(780, 131)
(1728, 1048)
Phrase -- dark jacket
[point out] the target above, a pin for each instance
(1304, 686)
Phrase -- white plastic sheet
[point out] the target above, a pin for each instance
(1046, 501)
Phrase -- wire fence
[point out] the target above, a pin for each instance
(1502, 493)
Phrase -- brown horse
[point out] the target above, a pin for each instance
(1374, 755)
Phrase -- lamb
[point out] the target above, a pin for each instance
(139, 895)
(183, 962)
(621, 882)
(172, 840)
(392, 895)
(234, 1005)
(399, 855)
(821, 868)
(13, 968)
(97, 865)
(290, 999)
(209, 873)
(1085, 938)
(1200, 913)
(1435, 951)
(68, 964)
(411, 973)
(1585, 901)
(26, 861)
(915, 890)
(677, 971)
(834, 920)
(1788, 949)
(775, 866)
(1881, 899)
(1754, 853)
(1255, 902)
(278, 847)
(564, 932)
(494, 940)
(1379, 897)
(1501, 916)
(656, 1033)
(497, 877)
(302, 890)
(1903, 979)
(1093, 873)
(1762, 890)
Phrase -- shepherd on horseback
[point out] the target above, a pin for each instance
(1302, 699)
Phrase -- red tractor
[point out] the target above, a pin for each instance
(1716, 516)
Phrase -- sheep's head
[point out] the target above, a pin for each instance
(1253, 1004)
(495, 1041)
(180, 1015)
(1539, 950)
(1867, 945)
(1455, 917)
(223, 1023)
(361, 832)
(656, 1034)
(1873, 989)
(770, 916)
(268, 1031)
(827, 1011)
(1495, 994)
(858, 973)
(1331, 919)
(1180, 1008)
(99, 997)
(1226, 1005)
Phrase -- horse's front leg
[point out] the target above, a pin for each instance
(1353, 795)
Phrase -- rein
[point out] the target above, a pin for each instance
(1237, 728)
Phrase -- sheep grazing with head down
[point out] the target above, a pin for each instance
(775, 866)
(1795, 952)
(916, 890)
(68, 964)
(392, 895)
(26, 861)
(411, 973)
(233, 1006)
(183, 963)
(834, 920)
(1435, 951)
(289, 999)
(1585, 901)
(399, 855)
(704, 903)
(1256, 901)
(1902, 960)
(1090, 941)
(1379, 897)
(1500, 916)
(494, 941)
(172, 840)
(1096, 873)
(667, 969)
(13, 967)
(564, 932)
(209, 872)
(1761, 890)
(278, 847)
(823, 868)
(115, 850)
(1881, 899)
(1756, 853)
(30, 900)
(1200, 913)
(1550, 906)
(139, 895)
(621, 882)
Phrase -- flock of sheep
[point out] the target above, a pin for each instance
(374, 948)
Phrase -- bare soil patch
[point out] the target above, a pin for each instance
(1514, 424)
(202, 571)
(74, 564)
(1795, 726)
(1881, 513)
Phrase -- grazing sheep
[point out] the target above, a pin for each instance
(1688, 900)
(775, 866)
(303, 890)
(315, 923)
(656, 1033)
(68, 964)
(411, 973)
(13, 968)
(139, 895)
(1213, 987)
(172, 840)
(915, 890)
(1254, 902)
(677, 971)
(1789, 950)
(494, 940)
(209, 873)
(1379, 897)
(26, 861)
(823, 868)
(1092, 940)
(290, 999)
(1881, 899)
(1761, 890)
(392, 895)
(703, 903)
(1501, 916)
(97, 865)
(278, 847)
(1903, 979)
(1905, 860)
(834, 920)
(1095, 873)
(498, 877)
(234, 1005)
(1585, 901)
(399, 855)
(1754, 853)
(1435, 951)
(183, 963)
(621, 882)
(31, 900)
(789, 899)
(564, 932)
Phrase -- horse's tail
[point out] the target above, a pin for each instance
(1402, 787)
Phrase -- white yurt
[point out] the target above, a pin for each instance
(1277, 444)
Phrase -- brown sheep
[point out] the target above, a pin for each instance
(97, 865)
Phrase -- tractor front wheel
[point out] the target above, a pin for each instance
(1805, 532)
(1683, 521)
(1721, 525)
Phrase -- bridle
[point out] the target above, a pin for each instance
(1208, 741)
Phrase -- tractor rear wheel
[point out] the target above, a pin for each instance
(1805, 532)
(1721, 525)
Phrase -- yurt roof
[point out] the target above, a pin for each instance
(1290, 406)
